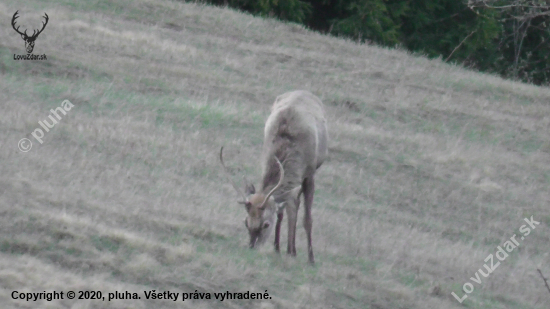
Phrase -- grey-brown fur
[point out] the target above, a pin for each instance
(296, 134)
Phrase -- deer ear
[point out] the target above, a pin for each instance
(250, 189)
(246, 204)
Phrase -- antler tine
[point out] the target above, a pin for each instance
(241, 193)
(43, 26)
(281, 169)
(13, 23)
(14, 18)
(45, 23)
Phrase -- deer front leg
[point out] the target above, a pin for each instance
(292, 213)
(278, 230)
(309, 189)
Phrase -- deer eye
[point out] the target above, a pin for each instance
(265, 225)
(246, 223)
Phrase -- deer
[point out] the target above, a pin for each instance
(295, 146)
(29, 40)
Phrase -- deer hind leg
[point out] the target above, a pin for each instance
(278, 230)
(309, 188)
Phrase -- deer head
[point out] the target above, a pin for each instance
(261, 207)
(29, 40)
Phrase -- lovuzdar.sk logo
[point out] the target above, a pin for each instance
(29, 39)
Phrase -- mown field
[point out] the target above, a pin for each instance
(431, 167)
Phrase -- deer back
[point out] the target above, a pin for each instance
(295, 133)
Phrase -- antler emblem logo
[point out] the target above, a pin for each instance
(29, 40)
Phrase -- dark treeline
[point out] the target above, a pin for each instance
(508, 37)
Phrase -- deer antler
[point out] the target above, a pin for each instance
(281, 169)
(241, 193)
(43, 26)
(47, 18)
(34, 33)
(13, 24)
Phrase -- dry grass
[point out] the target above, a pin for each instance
(431, 166)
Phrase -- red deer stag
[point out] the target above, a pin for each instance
(295, 134)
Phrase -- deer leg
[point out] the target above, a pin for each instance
(309, 189)
(292, 213)
(278, 230)
(294, 226)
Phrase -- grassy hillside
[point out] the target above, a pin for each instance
(431, 167)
